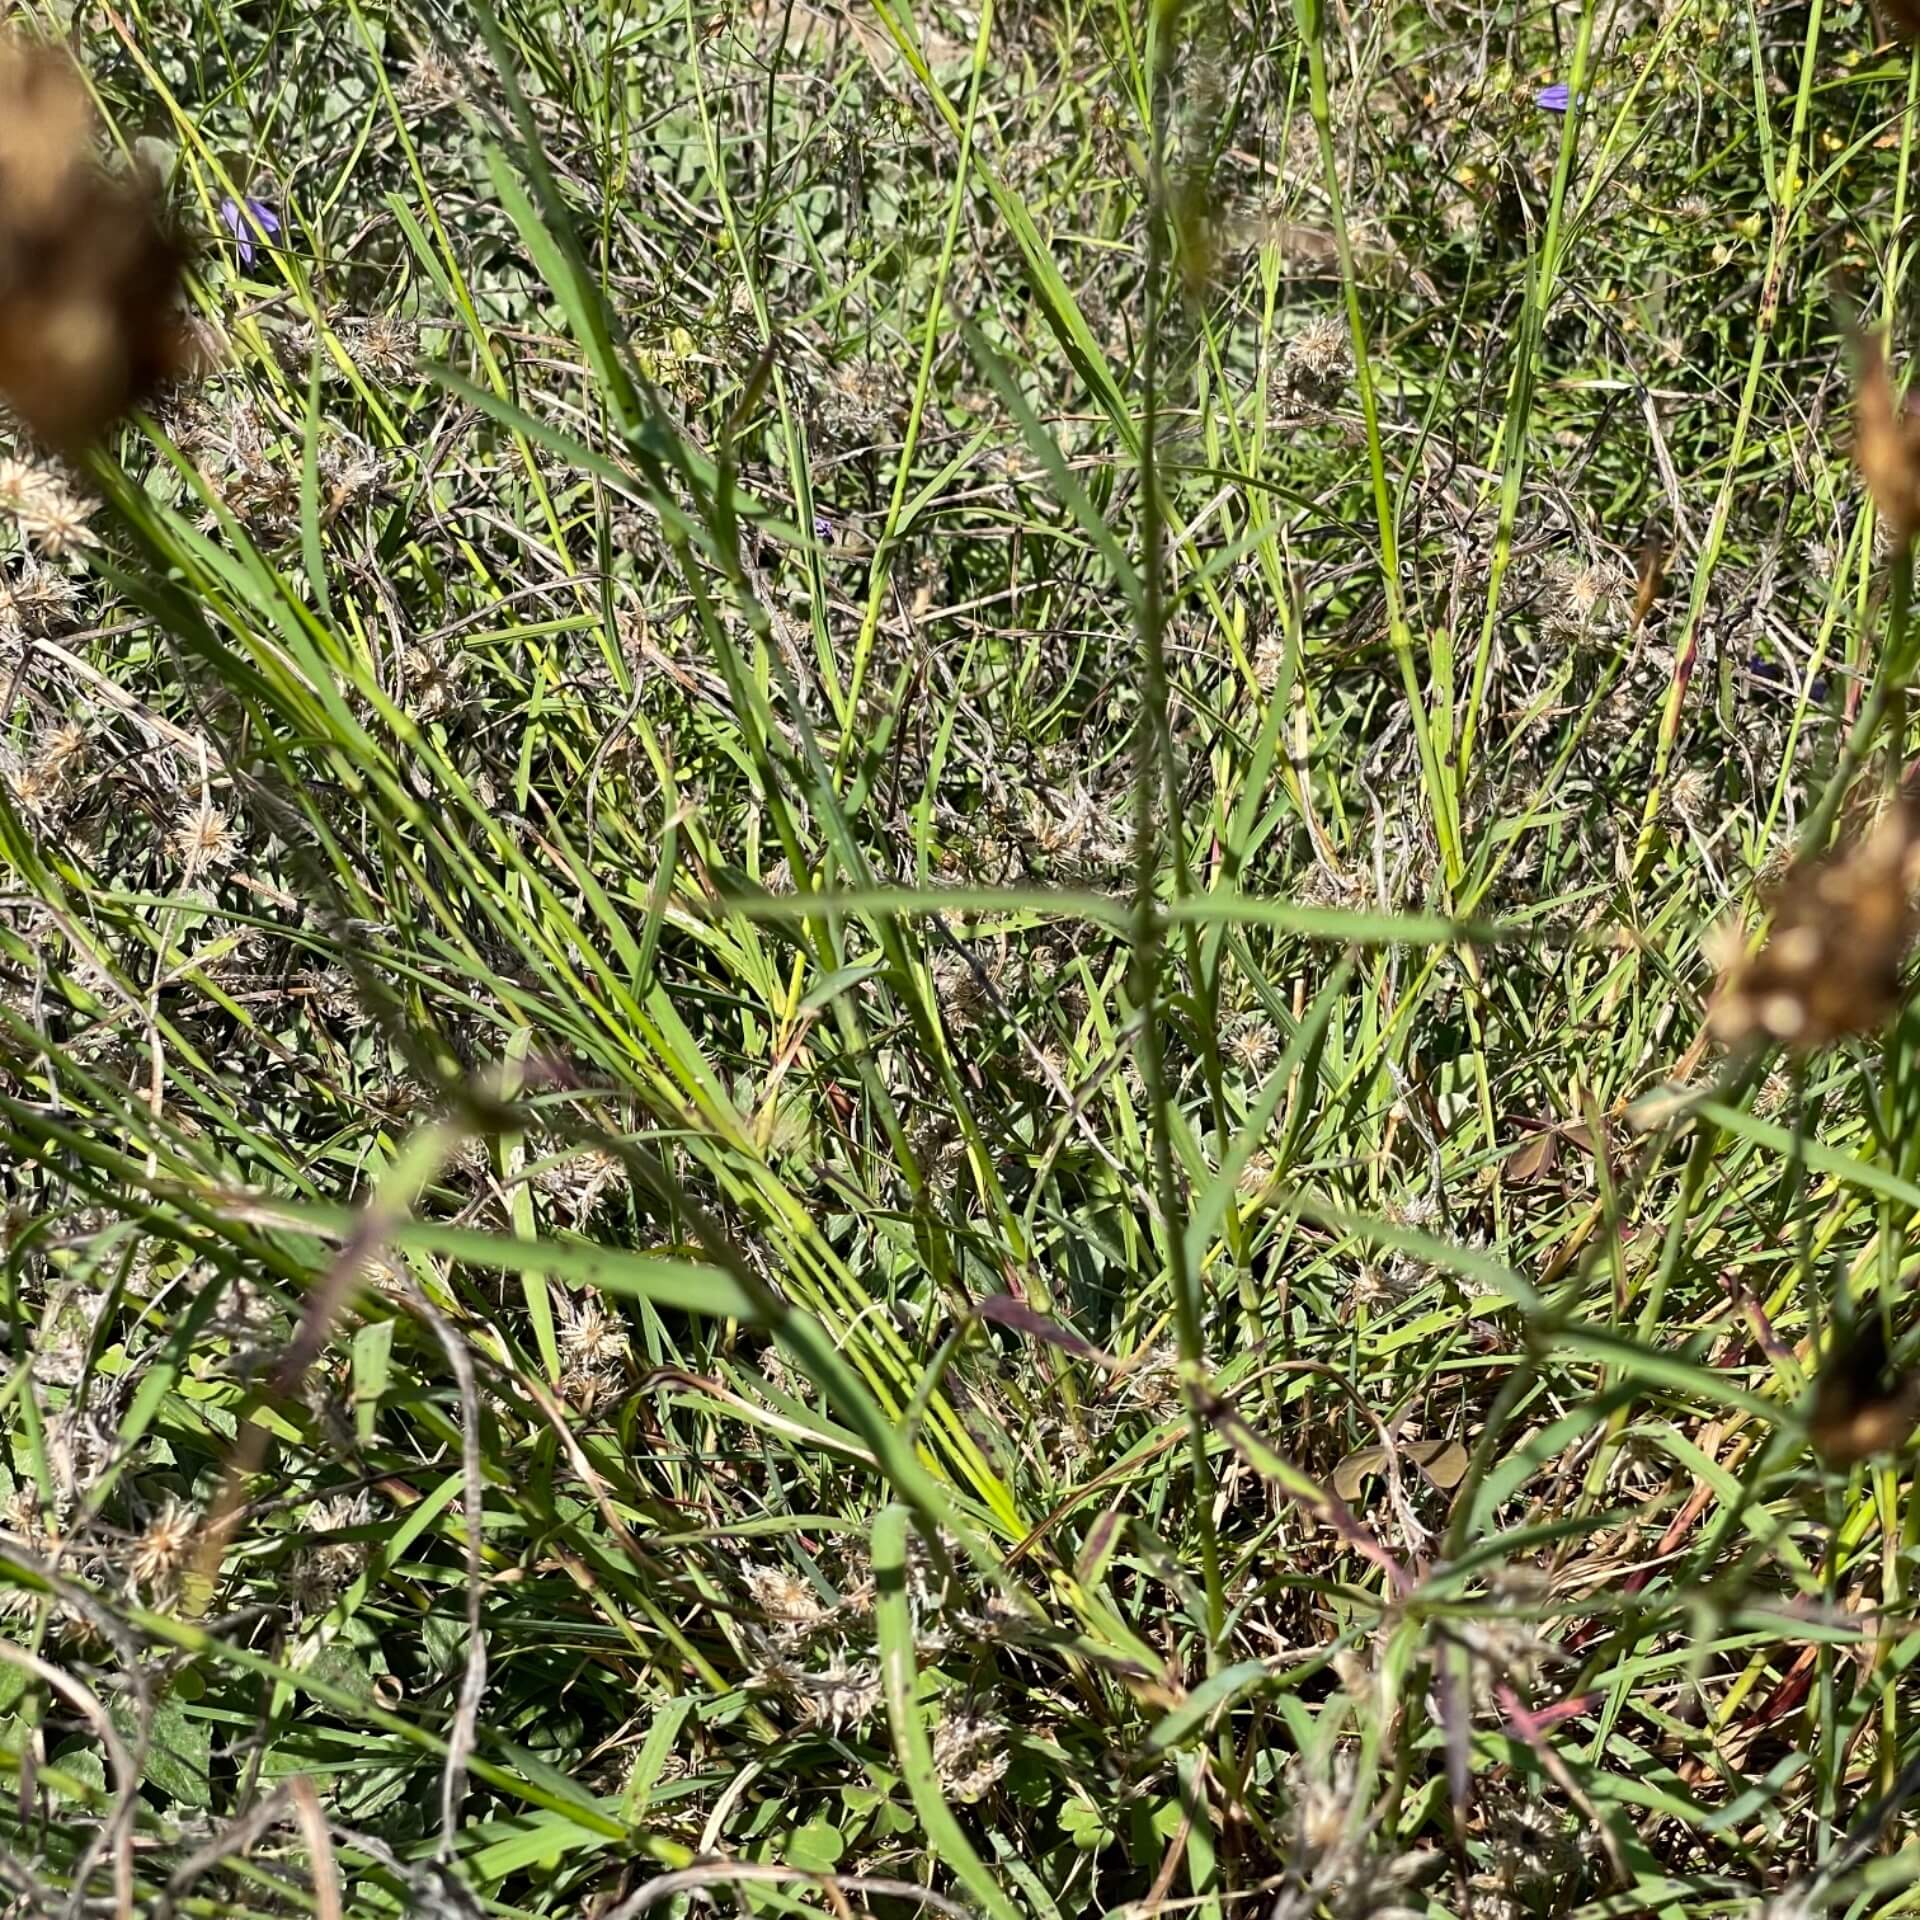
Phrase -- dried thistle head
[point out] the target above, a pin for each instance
(590, 1334)
(593, 1343)
(1251, 1044)
(1886, 445)
(60, 750)
(579, 1180)
(1691, 794)
(89, 279)
(843, 1697)
(22, 1519)
(1831, 963)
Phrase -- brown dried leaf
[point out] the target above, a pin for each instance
(1533, 1159)
(1444, 1462)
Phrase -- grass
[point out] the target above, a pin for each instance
(855, 932)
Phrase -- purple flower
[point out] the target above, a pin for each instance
(241, 226)
(823, 529)
(1554, 99)
(1770, 675)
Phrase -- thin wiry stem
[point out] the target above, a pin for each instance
(1157, 785)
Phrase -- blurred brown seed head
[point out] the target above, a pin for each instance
(1861, 1406)
(1886, 445)
(89, 279)
(1902, 16)
(46, 136)
(1652, 577)
(1832, 959)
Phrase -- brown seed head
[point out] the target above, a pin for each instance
(89, 280)
(1860, 1405)
(46, 137)
(1886, 445)
(1831, 963)
(1903, 16)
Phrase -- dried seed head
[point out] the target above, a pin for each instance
(432, 81)
(61, 750)
(21, 1519)
(580, 1180)
(594, 1345)
(321, 1574)
(970, 1753)
(1153, 1379)
(50, 515)
(33, 789)
(843, 1698)
(1583, 594)
(1270, 657)
(1075, 825)
(1532, 1843)
(1324, 1815)
(165, 1547)
(204, 840)
(778, 1375)
(36, 600)
(1257, 1175)
(387, 343)
(1320, 355)
(1861, 1406)
(590, 1334)
(1886, 445)
(89, 281)
(1903, 16)
(1831, 963)
(792, 1607)
(1691, 794)
(588, 1388)
(1251, 1043)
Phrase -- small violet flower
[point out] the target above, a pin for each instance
(1554, 99)
(241, 222)
(1769, 674)
(823, 529)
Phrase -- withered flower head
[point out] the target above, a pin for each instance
(1841, 928)
(1886, 445)
(89, 280)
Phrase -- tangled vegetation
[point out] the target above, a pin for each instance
(953, 961)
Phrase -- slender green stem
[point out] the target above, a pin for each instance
(1442, 801)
